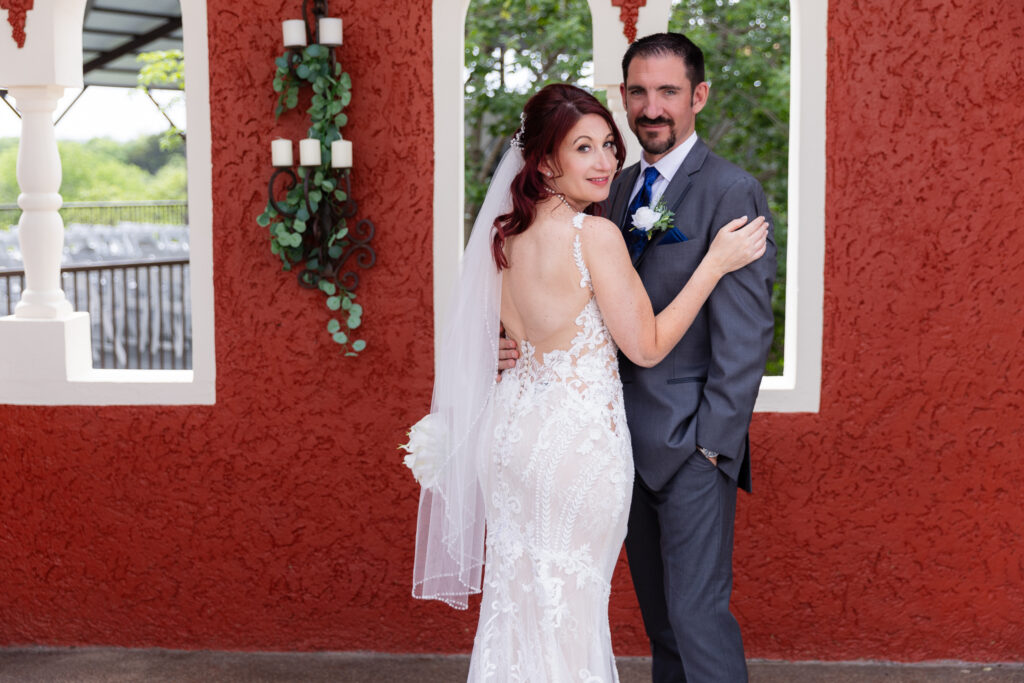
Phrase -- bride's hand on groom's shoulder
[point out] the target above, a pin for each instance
(508, 353)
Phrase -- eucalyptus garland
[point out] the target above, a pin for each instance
(298, 234)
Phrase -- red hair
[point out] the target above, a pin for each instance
(550, 115)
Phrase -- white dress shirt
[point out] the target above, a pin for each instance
(667, 167)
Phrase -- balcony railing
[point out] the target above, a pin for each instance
(139, 310)
(168, 212)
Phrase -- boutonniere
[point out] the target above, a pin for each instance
(652, 219)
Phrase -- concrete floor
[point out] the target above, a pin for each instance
(116, 665)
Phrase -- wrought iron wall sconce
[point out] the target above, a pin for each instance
(310, 210)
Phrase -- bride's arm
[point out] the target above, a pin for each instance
(645, 338)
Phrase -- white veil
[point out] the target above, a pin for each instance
(450, 526)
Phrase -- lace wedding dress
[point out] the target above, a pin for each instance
(557, 488)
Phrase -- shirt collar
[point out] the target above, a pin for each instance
(670, 163)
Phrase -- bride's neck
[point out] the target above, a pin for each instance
(557, 200)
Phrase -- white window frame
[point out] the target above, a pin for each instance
(163, 387)
(798, 389)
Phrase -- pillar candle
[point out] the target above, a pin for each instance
(309, 152)
(294, 32)
(330, 31)
(341, 154)
(281, 152)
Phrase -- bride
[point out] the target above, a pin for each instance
(543, 455)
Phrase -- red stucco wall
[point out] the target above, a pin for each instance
(886, 526)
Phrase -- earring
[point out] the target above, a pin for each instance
(547, 173)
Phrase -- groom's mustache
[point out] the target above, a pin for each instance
(660, 121)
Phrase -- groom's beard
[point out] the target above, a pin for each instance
(653, 145)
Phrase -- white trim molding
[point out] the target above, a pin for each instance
(798, 389)
(47, 360)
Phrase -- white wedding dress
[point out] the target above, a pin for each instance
(557, 488)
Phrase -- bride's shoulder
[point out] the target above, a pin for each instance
(599, 229)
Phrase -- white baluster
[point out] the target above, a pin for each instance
(40, 230)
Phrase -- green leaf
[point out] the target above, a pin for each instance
(340, 120)
(302, 214)
(275, 248)
(335, 250)
(282, 62)
(340, 195)
(263, 220)
(333, 326)
(346, 80)
(357, 310)
(346, 303)
(315, 196)
(334, 302)
(358, 345)
(353, 323)
(327, 287)
(299, 226)
(340, 337)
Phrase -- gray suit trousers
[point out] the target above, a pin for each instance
(682, 573)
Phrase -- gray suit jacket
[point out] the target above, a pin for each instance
(703, 392)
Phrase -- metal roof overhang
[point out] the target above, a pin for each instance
(116, 31)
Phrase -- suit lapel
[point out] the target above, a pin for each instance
(678, 188)
(622, 196)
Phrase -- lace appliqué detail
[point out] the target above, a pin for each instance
(557, 487)
(577, 252)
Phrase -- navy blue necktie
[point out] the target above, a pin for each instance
(636, 240)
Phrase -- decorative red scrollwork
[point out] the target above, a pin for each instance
(628, 11)
(16, 11)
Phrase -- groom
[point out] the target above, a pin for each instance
(689, 415)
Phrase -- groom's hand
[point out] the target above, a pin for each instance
(508, 353)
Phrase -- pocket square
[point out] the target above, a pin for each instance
(672, 236)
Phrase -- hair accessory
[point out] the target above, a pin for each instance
(517, 139)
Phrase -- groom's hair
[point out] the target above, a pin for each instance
(660, 44)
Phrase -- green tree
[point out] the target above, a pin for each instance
(514, 48)
(97, 170)
(163, 69)
(746, 46)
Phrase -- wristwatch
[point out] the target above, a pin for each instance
(710, 455)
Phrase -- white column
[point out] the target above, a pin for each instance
(45, 345)
(40, 230)
(610, 44)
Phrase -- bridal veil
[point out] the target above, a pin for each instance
(450, 526)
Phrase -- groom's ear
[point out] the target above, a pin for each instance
(622, 94)
(700, 96)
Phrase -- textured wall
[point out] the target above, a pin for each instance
(16, 10)
(279, 517)
(886, 526)
(889, 525)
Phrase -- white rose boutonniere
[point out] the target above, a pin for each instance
(652, 219)
(426, 449)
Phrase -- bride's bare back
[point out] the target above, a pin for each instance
(541, 295)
